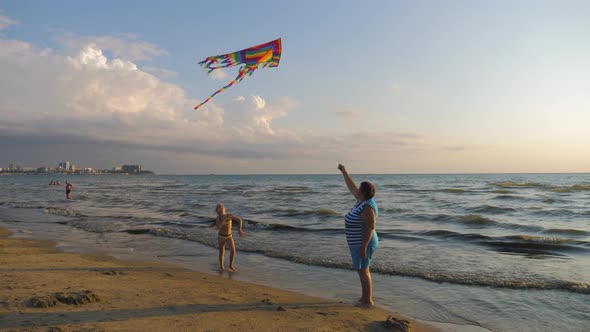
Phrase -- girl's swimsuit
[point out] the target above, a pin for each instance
(225, 236)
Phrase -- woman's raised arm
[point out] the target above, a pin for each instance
(349, 183)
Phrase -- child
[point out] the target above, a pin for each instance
(68, 189)
(223, 222)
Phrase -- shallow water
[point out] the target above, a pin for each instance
(485, 249)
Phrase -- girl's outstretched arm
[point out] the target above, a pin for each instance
(240, 221)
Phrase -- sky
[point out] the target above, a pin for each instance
(380, 86)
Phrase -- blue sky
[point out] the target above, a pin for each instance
(383, 86)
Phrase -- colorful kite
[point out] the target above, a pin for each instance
(267, 55)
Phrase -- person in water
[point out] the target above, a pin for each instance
(361, 236)
(68, 189)
(223, 223)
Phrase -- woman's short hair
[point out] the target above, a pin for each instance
(367, 189)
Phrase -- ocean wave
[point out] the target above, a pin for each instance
(574, 188)
(490, 209)
(454, 190)
(485, 280)
(58, 211)
(528, 245)
(543, 239)
(290, 190)
(533, 242)
(511, 197)
(566, 231)
(533, 249)
(283, 227)
(469, 219)
(560, 213)
(514, 184)
(445, 234)
(89, 226)
(395, 210)
(393, 185)
(475, 220)
(502, 191)
(321, 212)
(23, 205)
(238, 187)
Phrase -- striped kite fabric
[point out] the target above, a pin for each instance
(263, 55)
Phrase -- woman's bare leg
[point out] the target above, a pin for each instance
(367, 286)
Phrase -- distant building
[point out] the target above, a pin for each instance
(11, 166)
(72, 168)
(117, 169)
(43, 169)
(65, 166)
(131, 168)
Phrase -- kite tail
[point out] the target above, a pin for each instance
(241, 74)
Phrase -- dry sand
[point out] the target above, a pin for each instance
(146, 296)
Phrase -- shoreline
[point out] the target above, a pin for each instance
(132, 297)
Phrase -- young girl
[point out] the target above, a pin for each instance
(223, 222)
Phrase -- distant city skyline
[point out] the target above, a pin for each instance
(66, 166)
(384, 87)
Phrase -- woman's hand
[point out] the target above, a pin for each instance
(341, 168)
(363, 252)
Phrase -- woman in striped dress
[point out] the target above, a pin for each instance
(360, 233)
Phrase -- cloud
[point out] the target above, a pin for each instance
(339, 110)
(160, 72)
(124, 46)
(5, 21)
(218, 74)
(90, 98)
(349, 113)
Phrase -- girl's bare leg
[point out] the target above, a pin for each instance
(232, 254)
(221, 243)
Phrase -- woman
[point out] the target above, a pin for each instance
(360, 233)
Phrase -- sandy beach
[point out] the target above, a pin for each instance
(147, 296)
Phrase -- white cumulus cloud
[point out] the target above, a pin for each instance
(5, 21)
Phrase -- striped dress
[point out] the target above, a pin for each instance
(355, 226)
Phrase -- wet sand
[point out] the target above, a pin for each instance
(148, 296)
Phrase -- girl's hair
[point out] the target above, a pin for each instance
(217, 207)
(367, 189)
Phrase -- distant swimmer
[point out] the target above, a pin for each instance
(68, 189)
(223, 222)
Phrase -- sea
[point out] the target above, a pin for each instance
(497, 252)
